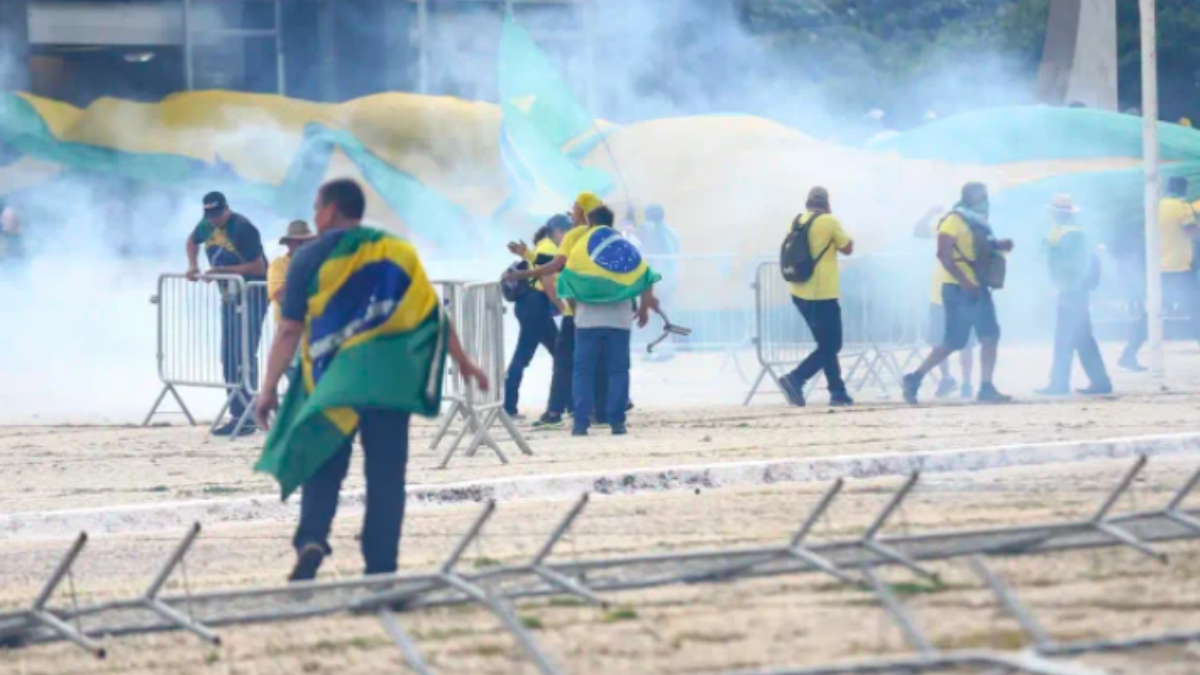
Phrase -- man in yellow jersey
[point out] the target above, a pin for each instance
(926, 228)
(564, 349)
(817, 300)
(1177, 229)
(297, 235)
(534, 308)
(967, 301)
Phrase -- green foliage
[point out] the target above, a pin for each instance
(956, 54)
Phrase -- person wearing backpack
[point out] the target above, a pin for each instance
(972, 267)
(1075, 272)
(809, 260)
(534, 307)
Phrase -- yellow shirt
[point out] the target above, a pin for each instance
(572, 238)
(825, 235)
(539, 255)
(1173, 216)
(964, 250)
(276, 279)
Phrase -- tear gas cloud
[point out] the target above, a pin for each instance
(79, 342)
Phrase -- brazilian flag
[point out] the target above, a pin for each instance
(373, 338)
(605, 267)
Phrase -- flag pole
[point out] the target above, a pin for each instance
(1154, 299)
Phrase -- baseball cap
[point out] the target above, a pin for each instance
(215, 201)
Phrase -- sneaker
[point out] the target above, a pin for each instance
(308, 561)
(248, 429)
(840, 400)
(549, 421)
(628, 406)
(1129, 362)
(911, 385)
(794, 394)
(989, 394)
(1053, 391)
(967, 392)
(1097, 390)
(946, 387)
(619, 430)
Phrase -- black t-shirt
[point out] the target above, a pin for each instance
(235, 244)
(302, 270)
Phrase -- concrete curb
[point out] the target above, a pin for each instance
(179, 515)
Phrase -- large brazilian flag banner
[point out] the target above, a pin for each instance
(604, 267)
(374, 338)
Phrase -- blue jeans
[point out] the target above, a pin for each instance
(596, 348)
(384, 435)
(537, 328)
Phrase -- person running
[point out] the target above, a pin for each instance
(233, 246)
(369, 329)
(535, 308)
(1075, 271)
(817, 301)
(965, 245)
(561, 395)
(925, 229)
(603, 277)
(1177, 228)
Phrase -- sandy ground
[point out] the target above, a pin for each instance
(787, 621)
(60, 467)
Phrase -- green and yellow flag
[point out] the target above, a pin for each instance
(373, 338)
(605, 267)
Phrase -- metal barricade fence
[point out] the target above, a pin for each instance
(477, 311)
(883, 319)
(202, 337)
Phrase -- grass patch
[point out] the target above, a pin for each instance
(619, 614)
(219, 490)
(212, 658)
(532, 623)
(1007, 640)
(484, 561)
(340, 646)
(487, 651)
(705, 638)
(160, 488)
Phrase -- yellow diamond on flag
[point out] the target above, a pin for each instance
(525, 103)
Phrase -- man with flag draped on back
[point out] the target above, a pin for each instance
(603, 277)
(372, 342)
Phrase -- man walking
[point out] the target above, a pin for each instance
(1075, 271)
(1177, 231)
(233, 246)
(817, 300)
(926, 228)
(372, 344)
(965, 248)
(603, 276)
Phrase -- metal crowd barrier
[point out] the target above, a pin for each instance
(202, 336)
(854, 561)
(883, 323)
(705, 293)
(477, 311)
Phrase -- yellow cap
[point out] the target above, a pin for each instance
(1185, 121)
(588, 202)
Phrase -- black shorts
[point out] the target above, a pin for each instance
(966, 313)
(937, 327)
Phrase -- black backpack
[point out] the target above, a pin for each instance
(795, 256)
(515, 289)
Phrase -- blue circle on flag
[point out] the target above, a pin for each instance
(618, 257)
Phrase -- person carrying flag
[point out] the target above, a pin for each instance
(603, 276)
(372, 341)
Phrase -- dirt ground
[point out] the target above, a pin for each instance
(785, 621)
(64, 467)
